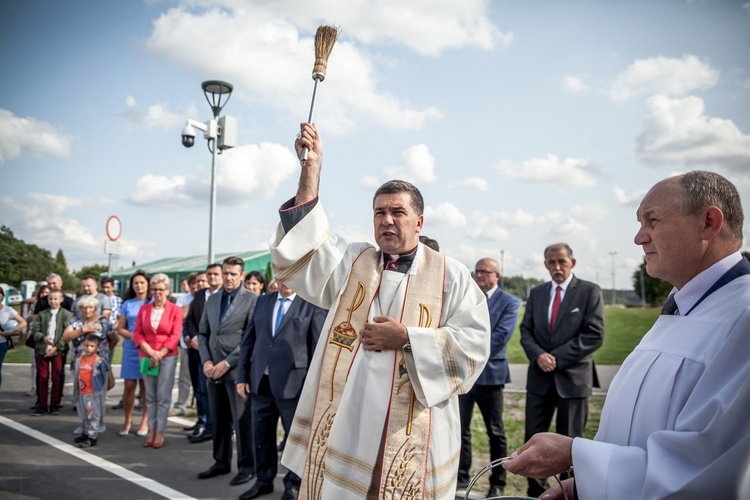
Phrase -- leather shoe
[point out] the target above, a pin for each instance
(192, 428)
(496, 491)
(203, 436)
(215, 470)
(241, 478)
(257, 490)
(290, 494)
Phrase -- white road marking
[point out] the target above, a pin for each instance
(111, 467)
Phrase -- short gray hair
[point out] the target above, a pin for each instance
(701, 189)
(88, 301)
(559, 246)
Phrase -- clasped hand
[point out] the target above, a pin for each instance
(383, 333)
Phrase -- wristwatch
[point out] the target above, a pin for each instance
(407, 347)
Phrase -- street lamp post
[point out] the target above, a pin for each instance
(220, 134)
(614, 293)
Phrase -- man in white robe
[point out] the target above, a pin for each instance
(676, 422)
(403, 348)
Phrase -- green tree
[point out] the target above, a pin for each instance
(21, 261)
(656, 290)
(519, 286)
(269, 274)
(95, 270)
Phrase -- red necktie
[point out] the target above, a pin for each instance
(555, 308)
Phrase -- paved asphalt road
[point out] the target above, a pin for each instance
(38, 458)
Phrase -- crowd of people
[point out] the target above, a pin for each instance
(375, 368)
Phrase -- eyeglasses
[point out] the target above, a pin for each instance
(158, 289)
(483, 271)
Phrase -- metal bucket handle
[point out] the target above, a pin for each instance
(491, 466)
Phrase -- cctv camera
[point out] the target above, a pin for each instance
(188, 136)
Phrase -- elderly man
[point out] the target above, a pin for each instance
(407, 332)
(675, 423)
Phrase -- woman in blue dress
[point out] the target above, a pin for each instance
(137, 295)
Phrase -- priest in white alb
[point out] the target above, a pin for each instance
(408, 330)
(676, 422)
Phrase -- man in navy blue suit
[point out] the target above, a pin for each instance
(275, 353)
(487, 392)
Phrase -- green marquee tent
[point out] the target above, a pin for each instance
(178, 268)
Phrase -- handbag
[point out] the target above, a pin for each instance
(110, 380)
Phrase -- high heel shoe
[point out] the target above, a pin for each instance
(148, 444)
(143, 433)
(158, 444)
(124, 432)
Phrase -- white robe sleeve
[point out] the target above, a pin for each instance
(702, 449)
(446, 361)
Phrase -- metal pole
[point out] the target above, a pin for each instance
(212, 212)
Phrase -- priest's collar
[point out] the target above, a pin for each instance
(399, 263)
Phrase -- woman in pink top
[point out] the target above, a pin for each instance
(157, 333)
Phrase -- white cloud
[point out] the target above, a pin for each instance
(269, 60)
(471, 183)
(155, 115)
(677, 131)
(573, 84)
(563, 227)
(47, 222)
(28, 134)
(427, 27)
(60, 203)
(244, 174)
(590, 211)
(571, 172)
(518, 218)
(629, 200)
(444, 215)
(416, 165)
(369, 182)
(662, 75)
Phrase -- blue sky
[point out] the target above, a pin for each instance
(523, 123)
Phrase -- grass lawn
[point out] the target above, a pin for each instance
(623, 329)
(513, 417)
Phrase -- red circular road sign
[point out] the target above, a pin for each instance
(114, 228)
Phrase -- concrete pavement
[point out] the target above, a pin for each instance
(39, 459)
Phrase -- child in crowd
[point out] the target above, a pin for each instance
(91, 377)
(50, 353)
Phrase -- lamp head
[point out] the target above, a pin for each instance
(217, 89)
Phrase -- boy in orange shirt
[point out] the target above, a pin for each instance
(91, 377)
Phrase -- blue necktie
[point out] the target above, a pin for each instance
(279, 315)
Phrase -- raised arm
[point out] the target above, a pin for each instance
(309, 178)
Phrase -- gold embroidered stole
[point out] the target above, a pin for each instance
(404, 462)
(407, 430)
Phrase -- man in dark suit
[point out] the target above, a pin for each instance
(207, 283)
(561, 328)
(224, 319)
(274, 357)
(487, 391)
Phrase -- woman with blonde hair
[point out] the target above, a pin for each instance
(157, 333)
